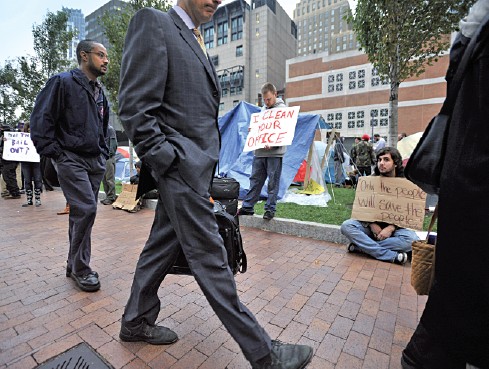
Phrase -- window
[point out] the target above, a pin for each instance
(237, 28)
(374, 113)
(384, 117)
(335, 120)
(215, 60)
(209, 37)
(376, 81)
(356, 79)
(235, 102)
(360, 119)
(222, 33)
(224, 92)
(221, 106)
(239, 50)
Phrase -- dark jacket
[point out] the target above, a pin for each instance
(67, 117)
(457, 310)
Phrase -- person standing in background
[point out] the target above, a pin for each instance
(267, 163)
(379, 143)
(32, 172)
(109, 176)
(363, 156)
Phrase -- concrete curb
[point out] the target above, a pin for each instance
(317, 231)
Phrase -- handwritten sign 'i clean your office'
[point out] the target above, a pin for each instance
(390, 200)
(272, 127)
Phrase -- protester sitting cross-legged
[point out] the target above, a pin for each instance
(383, 241)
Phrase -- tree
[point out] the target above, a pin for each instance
(51, 41)
(7, 93)
(402, 37)
(115, 25)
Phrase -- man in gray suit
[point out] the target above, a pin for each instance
(169, 98)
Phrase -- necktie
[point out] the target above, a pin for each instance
(200, 40)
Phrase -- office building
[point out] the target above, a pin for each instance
(76, 23)
(349, 94)
(249, 45)
(94, 28)
(321, 27)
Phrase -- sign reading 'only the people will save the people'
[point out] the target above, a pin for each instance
(390, 200)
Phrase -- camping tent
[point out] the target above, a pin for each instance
(235, 163)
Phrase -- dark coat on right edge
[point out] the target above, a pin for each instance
(457, 311)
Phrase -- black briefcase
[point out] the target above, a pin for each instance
(226, 191)
(229, 231)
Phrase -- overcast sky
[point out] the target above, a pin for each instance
(16, 21)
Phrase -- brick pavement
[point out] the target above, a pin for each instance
(355, 311)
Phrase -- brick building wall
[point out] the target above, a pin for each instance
(346, 90)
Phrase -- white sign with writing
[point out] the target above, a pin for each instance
(391, 200)
(272, 127)
(19, 147)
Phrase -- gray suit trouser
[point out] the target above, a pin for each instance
(185, 220)
(80, 179)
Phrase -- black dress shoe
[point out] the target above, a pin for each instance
(88, 282)
(144, 332)
(285, 356)
(68, 272)
(243, 211)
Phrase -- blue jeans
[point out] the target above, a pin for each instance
(385, 250)
(32, 172)
(262, 168)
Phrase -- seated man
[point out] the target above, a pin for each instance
(382, 241)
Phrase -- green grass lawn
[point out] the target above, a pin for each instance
(338, 210)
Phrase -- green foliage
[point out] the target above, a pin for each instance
(115, 25)
(7, 93)
(51, 40)
(27, 77)
(402, 37)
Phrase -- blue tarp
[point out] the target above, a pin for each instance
(235, 163)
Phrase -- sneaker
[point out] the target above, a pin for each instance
(401, 258)
(144, 332)
(268, 215)
(352, 248)
(285, 356)
(243, 211)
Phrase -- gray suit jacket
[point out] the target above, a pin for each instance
(169, 98)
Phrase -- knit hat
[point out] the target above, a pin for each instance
(365, 137)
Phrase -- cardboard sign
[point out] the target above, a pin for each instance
(127, 198)
(272, 127)
(390, 200)
(19, 147)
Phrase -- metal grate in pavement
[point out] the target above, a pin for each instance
(81, 356)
